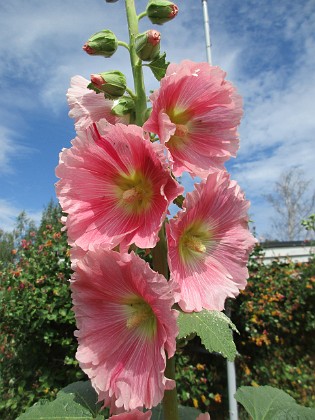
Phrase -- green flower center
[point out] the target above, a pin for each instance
(134, 192)
(195, 242)
(181, 136)
(140, 316)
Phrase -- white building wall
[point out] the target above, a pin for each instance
(296, 253)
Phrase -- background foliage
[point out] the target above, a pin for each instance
(275, 316)
(37, 346)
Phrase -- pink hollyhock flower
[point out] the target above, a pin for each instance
(195, 114)
(133, 415)
(86, 106)
(209, 244)
(115, 187)
(125, 327)
(203, 416)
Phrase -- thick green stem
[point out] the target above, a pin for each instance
(159, 253)
(170, 402)
(136, 63)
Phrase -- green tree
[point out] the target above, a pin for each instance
(23, 229)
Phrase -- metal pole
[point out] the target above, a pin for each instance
(207, 29)
(231, 375)
(231, 378)
(231, 390)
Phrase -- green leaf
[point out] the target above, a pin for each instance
(159, 66)
(268, 403)
(214, 329)
(76, 401)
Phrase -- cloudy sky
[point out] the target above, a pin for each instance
(267, 49)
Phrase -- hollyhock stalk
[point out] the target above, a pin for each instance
(141, 98)
(159, 254)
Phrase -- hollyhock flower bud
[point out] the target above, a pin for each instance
(102, 43)
(112, 83)
(148, 45)
(123, 106)
(87, 107)
(161, 11)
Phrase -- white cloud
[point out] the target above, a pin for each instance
(9, 212)
(9, 148)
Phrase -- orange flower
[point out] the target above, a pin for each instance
(199, 366)
(217, 398)
(247, 371)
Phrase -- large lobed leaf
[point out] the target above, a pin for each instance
(77, 401)
(213, 328)
(268, 403)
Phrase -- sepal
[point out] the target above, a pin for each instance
(123, 106)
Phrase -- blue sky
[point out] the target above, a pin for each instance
(267, 49)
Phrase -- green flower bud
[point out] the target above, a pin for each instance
(102, 43)
(147, 45)
(123, 106)
(161, 11)
(112, 83)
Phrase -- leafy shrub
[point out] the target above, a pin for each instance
(37, 345)
(201, 380)
(275, 315)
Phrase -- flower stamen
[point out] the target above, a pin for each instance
(134, 192)
(195, 241)
(141, 317)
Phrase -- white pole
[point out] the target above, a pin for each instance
(231, 378)
(231, 390)
(231, 375)
(207, 29)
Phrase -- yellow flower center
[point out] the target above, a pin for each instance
(140, 316)
(181, 136)
(134, 192)
(195, 241)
